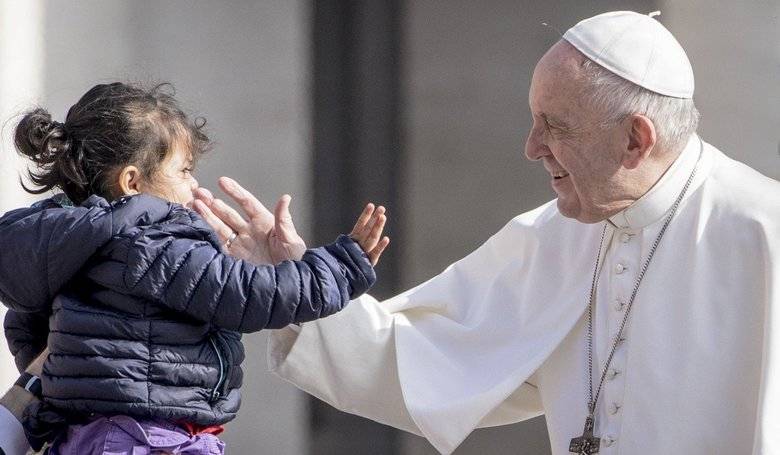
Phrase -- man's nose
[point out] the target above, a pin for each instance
(534, 147)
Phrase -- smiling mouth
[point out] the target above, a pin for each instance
(560, 175)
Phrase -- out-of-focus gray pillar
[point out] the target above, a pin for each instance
(358, 156)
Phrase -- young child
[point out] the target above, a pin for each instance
(142, 309)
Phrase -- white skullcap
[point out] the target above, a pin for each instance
(636, 47)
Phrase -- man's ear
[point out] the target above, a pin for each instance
(129, 181)
(641, 140)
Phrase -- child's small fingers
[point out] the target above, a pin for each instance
(376, 233)
(362, 220)
(376, 253)
(378, 212)
(378, 226)
(380, 248)
(365, 232)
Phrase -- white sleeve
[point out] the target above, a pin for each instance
(441, 359)
(347, 360)
(12, 438)
(353, 362)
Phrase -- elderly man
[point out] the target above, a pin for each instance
(639, 310)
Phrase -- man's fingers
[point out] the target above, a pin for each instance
(223, 230)
(362, 220)
(249, 203)
(374, 255)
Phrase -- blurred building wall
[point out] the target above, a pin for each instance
(21, 82)
(734, 48)
(244, 66)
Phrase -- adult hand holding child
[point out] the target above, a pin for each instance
(262, 237)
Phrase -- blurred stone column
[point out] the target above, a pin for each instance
(21, 83)
(357, 156)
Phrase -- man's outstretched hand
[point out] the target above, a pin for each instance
(258, 236)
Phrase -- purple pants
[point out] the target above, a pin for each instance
(123, 435)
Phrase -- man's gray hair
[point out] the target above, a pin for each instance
(675, 119)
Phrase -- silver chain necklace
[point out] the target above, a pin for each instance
(587, 443)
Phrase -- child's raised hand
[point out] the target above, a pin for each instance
(368, 232)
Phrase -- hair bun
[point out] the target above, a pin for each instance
(47, 143)
(40, 138)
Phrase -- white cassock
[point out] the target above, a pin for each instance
(499, 336)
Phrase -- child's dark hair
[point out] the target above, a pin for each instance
(111, 126)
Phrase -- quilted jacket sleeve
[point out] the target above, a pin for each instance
(26, 334)
(195, 278)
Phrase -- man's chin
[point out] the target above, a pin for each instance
(573, 210)
(567, 208)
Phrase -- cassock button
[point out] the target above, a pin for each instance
(614, 408)
(619, 304)
(625, 237)
(609, 441)
(612, 373)
(620, 268)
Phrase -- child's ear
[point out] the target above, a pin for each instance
(130, 181)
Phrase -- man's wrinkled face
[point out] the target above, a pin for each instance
(582, 156)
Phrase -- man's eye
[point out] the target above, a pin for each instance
(547, 125)
(554, 129)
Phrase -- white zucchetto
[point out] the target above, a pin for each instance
(636, 47)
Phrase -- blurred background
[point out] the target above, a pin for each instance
(420, 105)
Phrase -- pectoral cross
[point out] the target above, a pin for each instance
(586, 444)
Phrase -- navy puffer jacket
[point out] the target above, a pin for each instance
(144, 312)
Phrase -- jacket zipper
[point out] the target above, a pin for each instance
(215, 394)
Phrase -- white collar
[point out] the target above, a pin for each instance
(654, 204)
